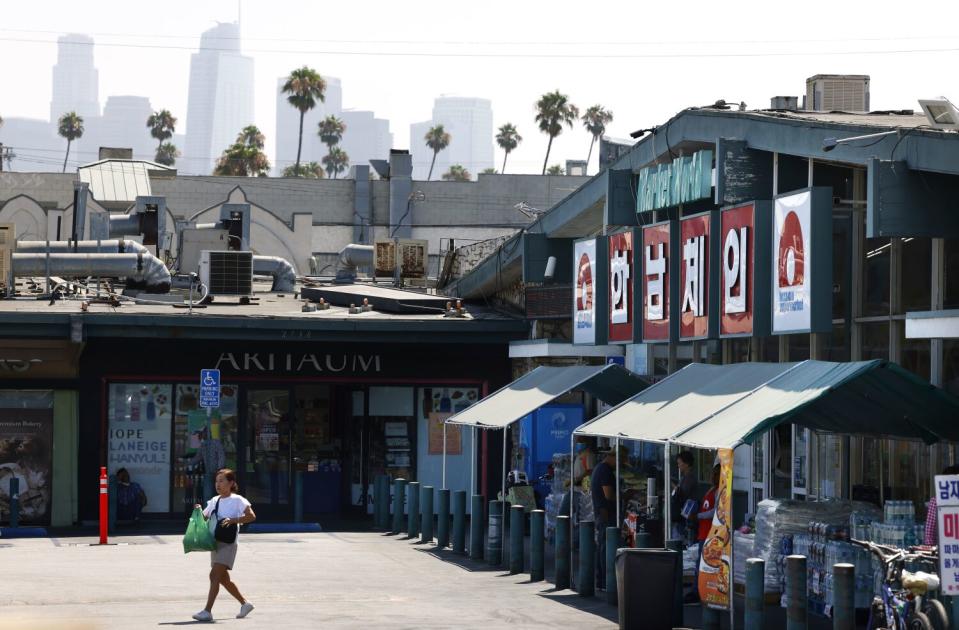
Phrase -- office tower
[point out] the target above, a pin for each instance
(75, 79)
(220, 101)
(469, 121)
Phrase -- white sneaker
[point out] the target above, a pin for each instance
(203, 615)
(245, 610)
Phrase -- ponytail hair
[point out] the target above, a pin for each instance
(230, 476)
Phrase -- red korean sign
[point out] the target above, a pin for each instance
(655, 282)
(694, 277)
(737, 255)
(621, 287)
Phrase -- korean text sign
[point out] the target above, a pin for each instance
(947, 504)
(694, 277)
(621, 279)
(655, 282)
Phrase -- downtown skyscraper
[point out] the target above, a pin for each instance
(76, 82)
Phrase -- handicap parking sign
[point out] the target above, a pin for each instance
(210, 388)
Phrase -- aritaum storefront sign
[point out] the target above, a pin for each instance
(685, 179)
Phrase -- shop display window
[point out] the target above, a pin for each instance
(841, 264)
(829, 449)
(798, 346)
(916, 274)
(837, 344)
(950, 365)
(26, 453)
(876, 277)
(140, 419)
(951, 293)
(875, 340)
(201, 441)
(393, 431)
(915, 354)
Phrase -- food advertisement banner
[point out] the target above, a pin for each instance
(715, 572)
(26, 454)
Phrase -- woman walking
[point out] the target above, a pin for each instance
(227, 510)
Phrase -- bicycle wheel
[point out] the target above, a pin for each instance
(918, 621)
(936, 612)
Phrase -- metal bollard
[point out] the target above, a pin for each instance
(796, 613)
(517, 523)
(112, 485)
(644, 540)
(426, 504)
(459, 522)
(537, 545)
(755, 610)
(477, 526)
(677, 546)
(399, 494)
(612, 544)
(844, 605)
(587, 559)
(298, 496)
(14, 501)
(562, 552)
(443, 520)
(413, 522)
(494, 550)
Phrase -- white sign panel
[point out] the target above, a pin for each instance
(792, 277)
(584, 297)
(947, 505)
(140, 423)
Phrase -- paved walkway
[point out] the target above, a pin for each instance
(329, 580)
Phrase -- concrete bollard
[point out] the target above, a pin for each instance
(796, 613)
(562, 552)
(14, 501)
(644, 540)
(399, 494)
(844, 589)
(537, 546)
(413, 522)
(494, 550)
(426, 507)
(459, 522)
(677, 546)
(477, 526)
(443, 520)
(587, 559)
(755, 609)
(612, 544)
(517, 522)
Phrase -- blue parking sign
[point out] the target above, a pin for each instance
(210, 389)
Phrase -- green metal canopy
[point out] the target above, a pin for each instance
(711, 406)
(610, 383)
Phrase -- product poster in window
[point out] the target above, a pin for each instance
(434, 405)
(621, 279)
(26, 452)
(694, 277)
(140, 426)
(584, 297)
(792, 263)
(655, 282)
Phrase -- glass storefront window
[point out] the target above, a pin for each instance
(829, 449)
(26, 453)
(140, 416)
(951, 294)
(915, 355)
(916, 274)
(950, 365)
(876, 277)
(799, 347)
(841, 264)
(837, 344)
(739, 350)
(875, 340)
(201, 444)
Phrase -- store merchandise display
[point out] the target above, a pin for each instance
(824, 546)
(743, 545)
(553, 501)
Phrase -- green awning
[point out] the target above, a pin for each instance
(712, 406)
(610, 383)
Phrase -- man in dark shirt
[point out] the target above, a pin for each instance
(682, 492)
(602, 487)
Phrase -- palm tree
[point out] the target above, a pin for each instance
(488, 171)
(336, 161)
(508, 139)
(331, 130)
(310, 170)
(595, 120)
(167, 153)
(245, 157)
(304, 88)
(555, 169)
(457, 173)
(553, 110)
(70, 126)
(161, 124)
(437, 139)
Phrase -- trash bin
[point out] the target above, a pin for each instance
(645, 579)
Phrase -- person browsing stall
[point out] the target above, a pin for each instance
(682, 492)
(602, 487)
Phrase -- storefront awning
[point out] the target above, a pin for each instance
(711, 406)
(610, 383)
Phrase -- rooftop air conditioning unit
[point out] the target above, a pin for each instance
(227, 272)
(8, 242)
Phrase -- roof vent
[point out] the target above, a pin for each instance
(784, 103)
(838, 93)
(227, 272)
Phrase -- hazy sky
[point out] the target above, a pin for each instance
(644, 60)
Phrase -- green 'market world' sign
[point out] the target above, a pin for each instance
(685, 179)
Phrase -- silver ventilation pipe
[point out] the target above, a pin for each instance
(109, 246)
(140, 269)
(284, 275)
(351, 257)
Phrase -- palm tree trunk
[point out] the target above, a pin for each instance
(548, 148)
(428, 177)
(589, 155)
(506, 155)
(299, 145)
(67, 156)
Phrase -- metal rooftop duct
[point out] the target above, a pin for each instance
(110, 246)
(140, 269)
(284, 275)
(351, 257)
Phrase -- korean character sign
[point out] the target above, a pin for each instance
(947, 504)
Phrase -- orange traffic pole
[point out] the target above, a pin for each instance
(104, 509)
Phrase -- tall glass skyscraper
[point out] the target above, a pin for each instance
(76, 83)
(469, 121)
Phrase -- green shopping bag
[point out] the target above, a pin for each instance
(198, 536)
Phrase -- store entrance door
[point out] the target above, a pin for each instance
(270, 453)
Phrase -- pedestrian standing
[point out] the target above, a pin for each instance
(227, 509)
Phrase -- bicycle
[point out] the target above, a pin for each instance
(902, 603)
